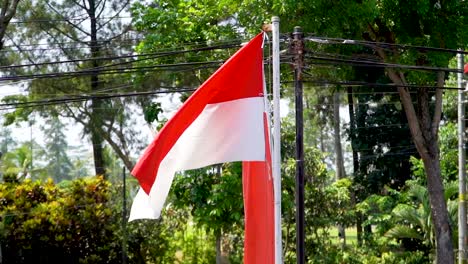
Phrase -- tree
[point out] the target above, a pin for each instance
(339, 161)
(8, 10)
(214, 198)
(71, 223)
(7, 142)
(18, 162)
(85, 35)
(436, 24)
(59, 166)
(427, 21)
(412, 218)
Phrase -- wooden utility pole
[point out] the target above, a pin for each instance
(462, 238)
(298, 65)
(124, 217)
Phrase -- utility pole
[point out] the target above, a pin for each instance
(298, 45)
(462, 238)
(124, 217)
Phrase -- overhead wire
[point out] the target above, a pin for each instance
(82, 98)
(140, 56)
(365, 63)
(369, 84)
(45, 20)
(177, 67)
(343, 41)
(375, 64)
(131, 69)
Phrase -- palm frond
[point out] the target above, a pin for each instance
(401, 231)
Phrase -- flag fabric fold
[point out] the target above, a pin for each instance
(259, 208)
(222, 121)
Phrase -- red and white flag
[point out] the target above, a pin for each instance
(223, 121)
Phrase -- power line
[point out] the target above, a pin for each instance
(45, 20)
(142, 56)
(72, 43)
(124, 40)
(167, 67)
(327, 40)
(359, 83)
(82, 98)
(366, 63)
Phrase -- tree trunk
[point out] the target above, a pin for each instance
(8, 11)
(352, 126)
(96, 140)
(424, 129)
(120, 151)
(218, 247)
(339, 163)
(95, 117)
(439, 214)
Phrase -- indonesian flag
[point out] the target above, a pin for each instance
(223, 121)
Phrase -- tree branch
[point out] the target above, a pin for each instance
(76, 118)
(102, 8)
(411, 116)
(405, 97)
(68, 21)
(12, 10)
(115, 15)
(21, 50)
(61, 48)
(438, 104)
(118, 150)
(82, 5)
(4, 9)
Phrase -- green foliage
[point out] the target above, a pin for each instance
(7, 142)
(19, 161)
(377, 208)
(59, 165)
(413, 225)
(171, 23)
(327, 202)
(19, 114)
(448, 155)
(152, 111)
(72, 224)
(149, 241)
(213, 198)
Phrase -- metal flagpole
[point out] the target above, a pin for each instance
(277, 140)
(462, 253)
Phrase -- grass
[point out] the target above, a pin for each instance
(351, 235)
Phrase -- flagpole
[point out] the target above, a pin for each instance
(277, 139)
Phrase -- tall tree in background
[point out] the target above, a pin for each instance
(59, 166)
(8, 10)
(339, 160)
(424, 24)
(7, 142)
(85, 34)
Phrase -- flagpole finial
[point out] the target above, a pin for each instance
(267, 27)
